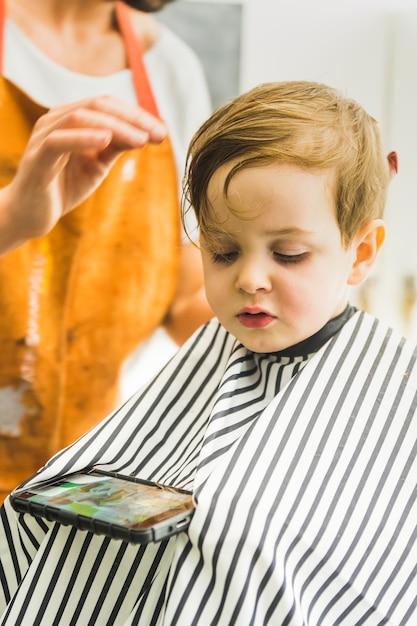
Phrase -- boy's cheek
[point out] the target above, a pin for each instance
(299, 297)
(213, 291)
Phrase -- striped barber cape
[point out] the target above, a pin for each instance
(304, 475)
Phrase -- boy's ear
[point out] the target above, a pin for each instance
(365, 248)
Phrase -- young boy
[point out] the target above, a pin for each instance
(292, 416)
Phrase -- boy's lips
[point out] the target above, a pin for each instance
(254, 317)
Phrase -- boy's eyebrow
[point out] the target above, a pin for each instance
(282, 232)
(288, 231)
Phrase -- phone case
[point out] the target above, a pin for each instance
(107, 503)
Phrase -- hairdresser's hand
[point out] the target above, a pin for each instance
(69, 153)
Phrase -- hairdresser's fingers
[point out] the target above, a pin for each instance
(44, 160)
(130, 125)
(132, 115)
(69, 153)
(54, 178)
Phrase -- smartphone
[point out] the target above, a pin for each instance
(107, 503)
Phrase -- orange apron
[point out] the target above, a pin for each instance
(76, 303)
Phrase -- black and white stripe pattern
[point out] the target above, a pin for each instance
(306, 516)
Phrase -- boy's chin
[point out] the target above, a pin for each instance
(263, 345)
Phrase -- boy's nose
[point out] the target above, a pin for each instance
(252, 277)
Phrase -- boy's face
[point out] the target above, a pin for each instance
(277, 272)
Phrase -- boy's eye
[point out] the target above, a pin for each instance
(224, 257)
(290, 258)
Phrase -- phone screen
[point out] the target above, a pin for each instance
(118, 502)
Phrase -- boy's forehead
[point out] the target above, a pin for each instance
(283, 200)
(259, 180)
(217, 181)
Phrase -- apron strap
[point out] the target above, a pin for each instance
(134, 54)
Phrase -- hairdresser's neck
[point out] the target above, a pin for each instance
(56, 13)
(81, 35)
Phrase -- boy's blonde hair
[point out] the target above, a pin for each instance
(307, 124)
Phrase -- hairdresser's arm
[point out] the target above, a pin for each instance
(190, 308)
(69, 153)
